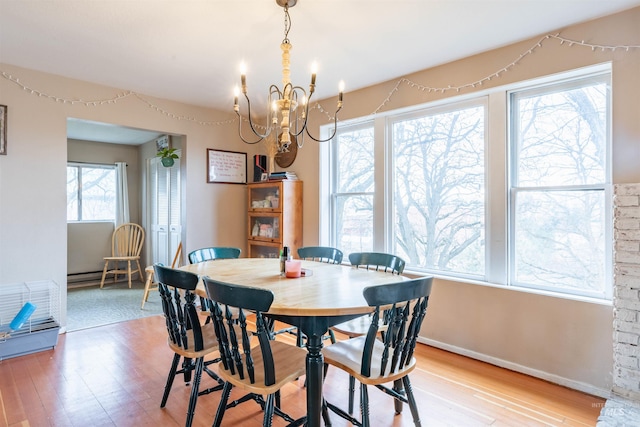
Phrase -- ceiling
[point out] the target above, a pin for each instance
(85, 130)
(190, 51)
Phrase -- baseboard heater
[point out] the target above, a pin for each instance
(80, 277)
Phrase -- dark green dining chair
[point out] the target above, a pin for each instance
(377, 261)
(208, 254)
(321, 253)
(214, 252)
(250, 361)
(357, 327)
(188, 339)
(378, 362)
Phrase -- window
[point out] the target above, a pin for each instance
(510, 186)
(559, 177)
(352, 195)
(438, 189)
(91, 193)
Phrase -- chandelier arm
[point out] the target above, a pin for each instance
(304, 124)
(253, 128)
(275, 89)
(335, 128)
(240, 132)
(297, 133)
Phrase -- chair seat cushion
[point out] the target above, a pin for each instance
(357, 327)
(347, 355)
(289, 363)
(209, 340)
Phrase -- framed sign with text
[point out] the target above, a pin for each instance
(228, 167)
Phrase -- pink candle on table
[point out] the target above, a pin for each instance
(292, 268)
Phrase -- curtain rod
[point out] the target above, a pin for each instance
(73, 162)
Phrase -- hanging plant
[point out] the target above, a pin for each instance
(167, 156)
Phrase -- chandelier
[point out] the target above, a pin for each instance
(288, 106)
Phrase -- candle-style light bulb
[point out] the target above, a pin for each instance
(341, 90)
(314, 71)
(243, 76)
(236, 92)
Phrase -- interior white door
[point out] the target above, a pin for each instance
(164, 210)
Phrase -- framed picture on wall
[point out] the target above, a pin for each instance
(3, 129)
(228, 167)
(162, 142)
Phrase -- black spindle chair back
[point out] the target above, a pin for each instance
(249, 358)
(177, 292)
(409, 305)
(376, 361)
(187, 338)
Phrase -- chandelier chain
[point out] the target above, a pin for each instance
(287, 24)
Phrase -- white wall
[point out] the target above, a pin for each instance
(87, 244)
(33, 228)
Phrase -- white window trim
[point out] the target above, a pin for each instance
(497, 131)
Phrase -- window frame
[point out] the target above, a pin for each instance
(598, 76)
(333, 181)
(429, 110)
(79, 166)
(498, 222)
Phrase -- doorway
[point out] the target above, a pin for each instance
(88, 243)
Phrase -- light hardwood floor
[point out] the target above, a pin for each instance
(114, 376)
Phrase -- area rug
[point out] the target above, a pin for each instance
(88, 307)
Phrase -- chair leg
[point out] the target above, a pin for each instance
(352, 392)
(104, 273)
(195, 386)
(325, 414)
(397, 404)
(412, 401)
(269, 407)
(187, 367)
(172, 375)
(364, 405)
(222, 406)
(129, 272)
(332, 337)
(140, 275)
(147, 288)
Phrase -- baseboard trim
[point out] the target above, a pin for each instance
(556, 379)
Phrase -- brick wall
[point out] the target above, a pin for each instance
(626, 297)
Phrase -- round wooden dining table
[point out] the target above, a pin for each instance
(330, 294)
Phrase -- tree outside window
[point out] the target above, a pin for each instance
(354, 189)
(91, 193)
(559, 175)
(439, 190)
(549, 201)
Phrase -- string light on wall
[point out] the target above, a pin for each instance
(498, 73)
(287, 107)
(594, 47)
